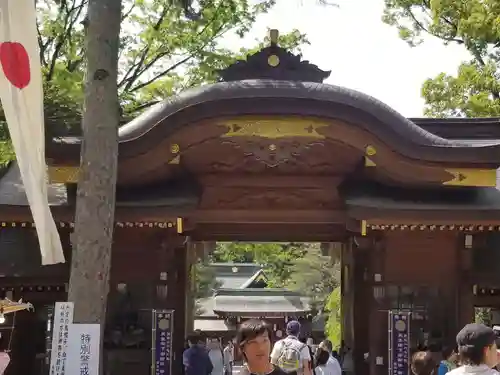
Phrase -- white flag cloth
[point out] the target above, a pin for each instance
(21, 94)
(4, 357)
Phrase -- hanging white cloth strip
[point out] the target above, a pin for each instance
(21, 94)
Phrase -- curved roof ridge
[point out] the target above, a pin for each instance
(280, 89)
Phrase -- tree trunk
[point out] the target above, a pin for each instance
(95, 206)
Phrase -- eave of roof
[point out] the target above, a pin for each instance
(260, 302)
(462, 128)
(12, 193)
(461, 203)
(286, 98)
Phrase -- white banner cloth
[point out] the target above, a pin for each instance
(21, 94)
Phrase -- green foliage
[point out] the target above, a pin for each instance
(296, 266)
(333, 322)
(204, 280)
(314, 275)
(483, 315)
(162, 52)
(474, 24)
(277, 259)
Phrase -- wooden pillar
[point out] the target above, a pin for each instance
(191, 259)
(378, 313)
(170, 288)
(347, 290)
(465, 297)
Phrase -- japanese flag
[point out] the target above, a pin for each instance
(22, 101)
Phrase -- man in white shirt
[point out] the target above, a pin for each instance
(228, 358)
(332, 362)
(290, 354)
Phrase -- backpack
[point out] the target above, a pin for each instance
(290, 359)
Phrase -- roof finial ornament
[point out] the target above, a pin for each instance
(273, 37)
(273, 63)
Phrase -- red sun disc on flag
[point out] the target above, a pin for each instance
(15, 64)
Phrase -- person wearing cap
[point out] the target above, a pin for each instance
(291, 355)
(477, 349)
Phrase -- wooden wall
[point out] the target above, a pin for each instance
(421, 257)
(422, 267)
(152, 262)
(430, 261)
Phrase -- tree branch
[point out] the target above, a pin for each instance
(73, 65)
(421, 26)
(143, 106)
(69, 22)
(162, 74)
(145, 51)
(127, 14)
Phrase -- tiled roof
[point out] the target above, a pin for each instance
(12, 190)
(260, 301)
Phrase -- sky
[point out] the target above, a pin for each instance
(362, 52)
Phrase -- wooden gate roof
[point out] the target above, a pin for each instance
(284, 98)
(272, 144)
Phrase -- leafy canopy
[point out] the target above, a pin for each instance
(473, 24)
(333, 308)
(162, 52)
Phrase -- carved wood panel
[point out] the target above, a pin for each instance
(269, 198)
(276, 156)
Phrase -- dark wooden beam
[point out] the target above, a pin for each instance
(268, 182)
(271, 233)
(270, 216)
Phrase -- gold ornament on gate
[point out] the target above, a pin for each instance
(273, 61)
(370, 150)
(174, 148)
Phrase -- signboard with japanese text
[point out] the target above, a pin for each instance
(63, 318)
(83, 349)
(163, 330)
(399, 343)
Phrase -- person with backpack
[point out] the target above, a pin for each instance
(291, 355)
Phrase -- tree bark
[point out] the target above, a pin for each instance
(95, 206)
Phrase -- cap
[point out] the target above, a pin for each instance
(293, 328)
(475, 335)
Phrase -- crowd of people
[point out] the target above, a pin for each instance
(289, 355)
(475, 353)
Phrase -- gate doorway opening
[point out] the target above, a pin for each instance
(273, 281)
